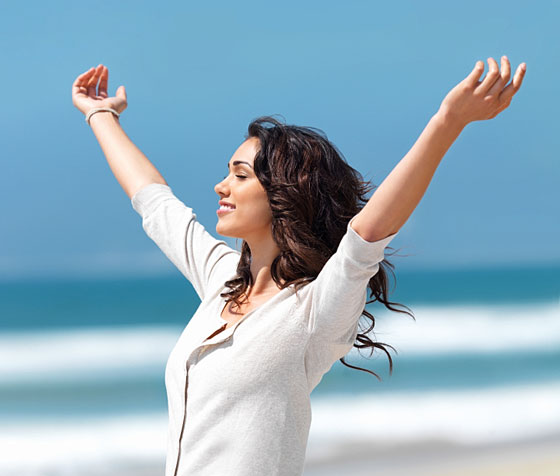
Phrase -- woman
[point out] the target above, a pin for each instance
(275, 317)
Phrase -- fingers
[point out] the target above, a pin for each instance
(506, 69)
(503, 79)
(103, 81)
(513, 87)
(490, 78)
(519, 75)
(92, 83)
(81, 81)
(472, 79)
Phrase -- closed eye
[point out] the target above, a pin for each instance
(238, 176)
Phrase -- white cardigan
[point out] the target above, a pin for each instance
(239, 403)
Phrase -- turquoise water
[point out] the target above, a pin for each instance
(94, 351)
(71, 303)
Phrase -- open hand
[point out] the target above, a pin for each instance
(87, 94)
(474, 100)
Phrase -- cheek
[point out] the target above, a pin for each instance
(262, 206)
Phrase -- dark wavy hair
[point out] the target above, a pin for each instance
(313, 194)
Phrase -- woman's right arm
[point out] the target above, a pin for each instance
(131, 167)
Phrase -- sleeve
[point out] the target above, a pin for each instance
(339, 293)
(203, 260)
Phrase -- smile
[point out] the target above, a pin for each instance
(224, 209)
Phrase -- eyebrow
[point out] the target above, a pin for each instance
(237, 162)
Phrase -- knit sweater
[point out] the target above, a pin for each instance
(239, 402)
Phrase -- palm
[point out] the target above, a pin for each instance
(85, 102)
(90, 91)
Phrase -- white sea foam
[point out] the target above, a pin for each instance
(468, 416)
(73, 447)
(84, 353)
(69, 447)
(87, 353)
(473, 329)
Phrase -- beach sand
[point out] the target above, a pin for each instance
(537, 457)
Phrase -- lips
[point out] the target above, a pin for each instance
(225, 207)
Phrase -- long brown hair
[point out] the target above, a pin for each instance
(313, 194)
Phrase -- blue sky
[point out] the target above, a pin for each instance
(370, 74)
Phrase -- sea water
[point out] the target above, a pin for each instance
(82, 367)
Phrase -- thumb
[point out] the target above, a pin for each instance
(121, 92)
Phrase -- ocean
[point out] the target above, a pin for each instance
(82, 368)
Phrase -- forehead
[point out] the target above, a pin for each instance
(245, 153)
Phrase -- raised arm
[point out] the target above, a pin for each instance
(471, 100)
(131, 167)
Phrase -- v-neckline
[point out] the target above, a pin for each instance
(224, 303)
(229, 330)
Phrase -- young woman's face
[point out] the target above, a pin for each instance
(247, 213)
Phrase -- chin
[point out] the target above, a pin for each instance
(219, 230)
(224, 232)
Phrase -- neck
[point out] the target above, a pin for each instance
(262, 256)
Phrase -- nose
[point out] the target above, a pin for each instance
(221, 188)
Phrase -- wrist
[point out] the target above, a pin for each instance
(107, 113)
(102, 118)
(449, 120)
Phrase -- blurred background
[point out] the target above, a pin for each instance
(90, 308)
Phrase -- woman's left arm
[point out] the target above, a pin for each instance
(471, 100)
